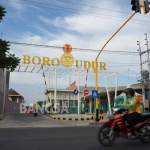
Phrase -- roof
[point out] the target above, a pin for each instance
(60, 90)
(102, 89)
(61, 70)
(12, 92)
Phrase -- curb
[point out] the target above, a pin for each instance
(95, 123)
(2, 117)
(69, 119)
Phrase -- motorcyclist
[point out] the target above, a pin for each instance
(133, 115)
(35, 107)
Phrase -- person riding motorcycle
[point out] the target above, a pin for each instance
(132, 116)
(35, 107)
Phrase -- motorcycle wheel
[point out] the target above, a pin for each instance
(146, 139)
(103, 137)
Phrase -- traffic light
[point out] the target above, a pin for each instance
(136, 5)
(146, 7)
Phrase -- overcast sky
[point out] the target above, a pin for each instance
(84, 24)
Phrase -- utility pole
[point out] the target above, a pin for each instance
(69, 88)
(49, 80)
(142, 79)
(128, 77)
(148, 55)
(4, 89)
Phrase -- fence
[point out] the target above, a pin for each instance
(1, 90)
(10, 106)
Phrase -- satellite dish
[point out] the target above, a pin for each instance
(145, 74)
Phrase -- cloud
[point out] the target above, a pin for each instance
(86, 32)
(45, 20)
(26, 78)
(16, 5)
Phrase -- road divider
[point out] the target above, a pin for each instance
(68, 119)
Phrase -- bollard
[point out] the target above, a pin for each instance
(92, 118)
(101, 116)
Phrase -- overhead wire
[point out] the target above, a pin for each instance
(80, 10)
(70, 10)
(76, 49)
(80, 4)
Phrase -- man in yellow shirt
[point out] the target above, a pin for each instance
(35, 107)
(133, 115)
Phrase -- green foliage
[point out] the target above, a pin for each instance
(7, 60)
(40, 103)
(2, 12)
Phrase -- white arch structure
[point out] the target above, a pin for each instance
(59, 71)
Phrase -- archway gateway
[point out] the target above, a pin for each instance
(64, 66)
(60, 71)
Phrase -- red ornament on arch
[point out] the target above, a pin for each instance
(67, 48)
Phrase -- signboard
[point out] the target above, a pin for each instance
(94, 94)
(86, 92)
(75, 92)
(67, 60)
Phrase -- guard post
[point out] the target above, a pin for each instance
(92, 118)
(101, 116)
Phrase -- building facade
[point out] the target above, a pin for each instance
(15, 96)
(87, 104)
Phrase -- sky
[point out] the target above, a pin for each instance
(84, 24)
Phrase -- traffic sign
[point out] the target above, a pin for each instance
(94, 94)
(75, 92)
(86, 92)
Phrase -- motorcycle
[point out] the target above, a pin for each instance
(35, 113)
(114, 128)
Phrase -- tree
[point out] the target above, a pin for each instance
(2, 12)
(7, 60)
(40, 103)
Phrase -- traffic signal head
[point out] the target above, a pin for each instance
(136, 5)
(146, 7)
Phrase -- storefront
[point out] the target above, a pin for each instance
(87, 105)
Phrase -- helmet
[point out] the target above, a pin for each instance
(129, 90)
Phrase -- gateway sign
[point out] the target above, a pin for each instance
(66, 60)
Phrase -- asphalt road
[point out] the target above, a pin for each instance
(69, 138)
(26, 132)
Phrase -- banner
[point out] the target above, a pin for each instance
(125, 102)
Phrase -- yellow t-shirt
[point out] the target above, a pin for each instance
(35, 106)
(136, 108)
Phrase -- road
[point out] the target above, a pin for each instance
(61, 137)
(70, 138)
(28, 120)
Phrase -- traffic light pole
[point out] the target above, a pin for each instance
(96, 63)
